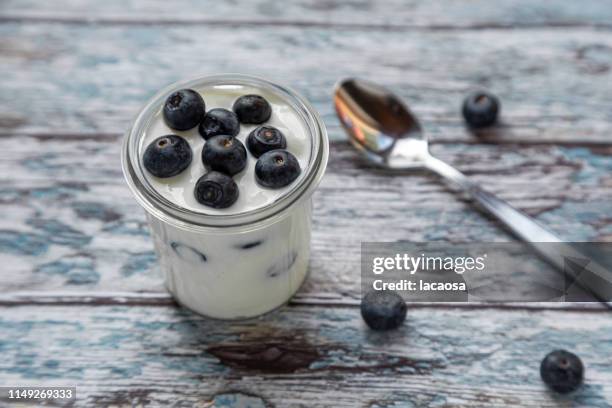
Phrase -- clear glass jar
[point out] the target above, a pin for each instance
(236, 265)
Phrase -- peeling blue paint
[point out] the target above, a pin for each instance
(51, 363)
(22, 243)
(579, 219)
(95, 210)
(590, 395)
(23, 327)
(238, 400)
(8, 195)
(25, 359)
(26, 366)
(124, 372)
(67, 343)
(41, 163)
(394, 404)
(59, 233)
(400, 400)
(438, 401)
(195, 329)
(77, 270)
(152, 326)
(128, 228)
(593, 167)
(115, 339)
(59, 192)
(139, 263)
(193, 366)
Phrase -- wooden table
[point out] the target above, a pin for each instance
(82, 301)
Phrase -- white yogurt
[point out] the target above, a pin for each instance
(225, 274)
(179, 189)
(244, 275)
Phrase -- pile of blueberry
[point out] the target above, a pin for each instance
(561, 370)
(223, 154)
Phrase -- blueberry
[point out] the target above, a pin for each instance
(167, 156)
(265, 138)
(276, 169)
(184, 109)
(480, 109)
(562, 371)
(225, 154)
(252, 109)
(219, 121)
(383, 310)
(216, 190)
(187, 253)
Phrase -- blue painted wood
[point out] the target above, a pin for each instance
(554, 84)
(435, 14)
(303, 356)
(71, 222)
(71, 230)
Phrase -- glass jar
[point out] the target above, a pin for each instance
(238, 265)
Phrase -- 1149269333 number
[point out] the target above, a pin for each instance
(38, 393)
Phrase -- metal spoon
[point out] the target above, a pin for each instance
(381, 126)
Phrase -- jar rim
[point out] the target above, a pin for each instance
(158, 206)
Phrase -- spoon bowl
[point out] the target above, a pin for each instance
(380, 125)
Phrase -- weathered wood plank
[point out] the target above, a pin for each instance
(98, 298)
(555, 85)
(70, 223)
(428, 14)
(302, 357)
(70, 226)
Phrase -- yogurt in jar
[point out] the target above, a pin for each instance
(179, 189)
(251, 257)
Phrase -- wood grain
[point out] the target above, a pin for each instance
(436, 14)
(555, 85)
(82, 300)
(70, 222)
(302, 357)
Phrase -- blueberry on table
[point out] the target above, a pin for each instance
(216, 190)
(480, 109)
(562, 371)
(383, 310)
(219, 121)
(167, 156)
(252, 109)
(265, 138)
(225, 154)
(276, 169)
(184, 109)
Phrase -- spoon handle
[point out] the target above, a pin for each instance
(597, 279)
(525, 227)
